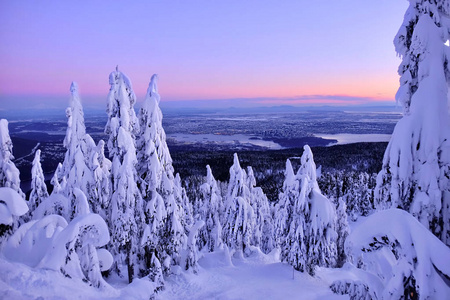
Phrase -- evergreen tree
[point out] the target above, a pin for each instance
(284, 209)
(305, 219)
(263, 228)
(38, 187)
(100, 187)
(79, 146)
(9, 174)
(239, 215)
(210, 235)
(342, 231)
(168, 220)
(126, 209)
(59, 185)
(416, 165)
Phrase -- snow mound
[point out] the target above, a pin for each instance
(11, 204)
(403, 253)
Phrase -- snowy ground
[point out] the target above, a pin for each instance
(219, 277)
(256, 277)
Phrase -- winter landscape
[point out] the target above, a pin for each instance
(230, 200)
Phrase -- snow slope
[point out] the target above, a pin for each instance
(258, 276)
(18, 281)
(219, 276)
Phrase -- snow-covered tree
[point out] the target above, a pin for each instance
(263, 228)
(99, 189)
(59, 185)
(305, 219)
(342, 231)
(168, 220)
(416, 165)
(284, 209)
(239, 215)
(79, 147)
(126, 208)
(192, 255)
(173, 235)
(210, 199)
(155, 274)
(321, 235)
(187, 219)
(9, 174)
(38, 188)
(153, 154)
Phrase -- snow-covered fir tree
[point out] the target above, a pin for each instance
(168, 220)
(211, 207)
(9, 174)
(192, 253)
(305, 219)
(239, 219)
(99, 189)
(290, 220)
(126, 208)
(416, 167)
(38, 188)
(79, 146)
(320, 235)
(342, 231)
(355, 188)
(263, 231)
(58, 184)
(284, 209)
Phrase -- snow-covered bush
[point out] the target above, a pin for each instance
(12, 206)
(74, 250)
(410, 261)
(55, 204)
(31, 241)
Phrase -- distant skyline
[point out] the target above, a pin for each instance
(207, 53)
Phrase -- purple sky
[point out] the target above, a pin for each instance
(265, 52)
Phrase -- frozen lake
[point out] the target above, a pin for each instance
(349, 138)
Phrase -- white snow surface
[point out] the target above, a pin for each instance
(258, 276)
(220, 276)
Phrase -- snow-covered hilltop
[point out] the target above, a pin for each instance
(129, 227)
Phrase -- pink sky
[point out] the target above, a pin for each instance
(202, 50)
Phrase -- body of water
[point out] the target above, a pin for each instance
(349, 138)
